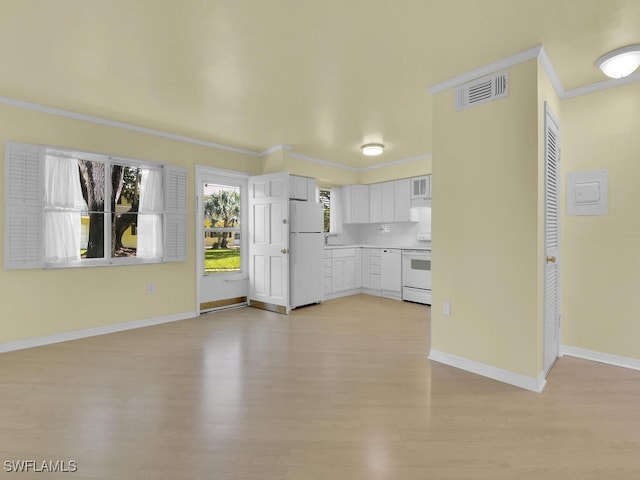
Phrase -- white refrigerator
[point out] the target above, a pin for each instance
(306, 253)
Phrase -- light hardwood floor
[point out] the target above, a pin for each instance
(341, 390)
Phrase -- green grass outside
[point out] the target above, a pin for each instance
(221, 260)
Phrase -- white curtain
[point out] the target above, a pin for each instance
(150, 241)
(63, 206)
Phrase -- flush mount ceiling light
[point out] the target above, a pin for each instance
(372, 149)
(621, 62)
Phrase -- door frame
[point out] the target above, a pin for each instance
(202, 171)
(549, 115)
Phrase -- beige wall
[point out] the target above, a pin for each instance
(600, 255)
(44, 302)
(329, 175)
(397, 171)
(325, 175)
(485, 227)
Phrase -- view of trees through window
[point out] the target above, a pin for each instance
(222, 228)
(124, 205)
(325, 200)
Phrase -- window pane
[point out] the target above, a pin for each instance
(325, 200)
(125, 235)
(92, 235)
(125, 201)
(221, 252)
(92, 181)
(221, 212)
(221, 206)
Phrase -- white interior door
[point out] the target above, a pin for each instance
(269, 241)
(552, 241)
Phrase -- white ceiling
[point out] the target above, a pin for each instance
(323, 76)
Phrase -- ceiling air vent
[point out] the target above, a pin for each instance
(482, 90)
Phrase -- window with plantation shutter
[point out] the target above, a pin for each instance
(66, 208)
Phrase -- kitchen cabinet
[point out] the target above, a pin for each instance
(375, 203)
(371, 270)
(345, 269)
(392, 272)
(388, 203)
(374, 271)
(382, 203)
(402, 200)
(356, 203)
(421, 190)
(302, 188)
(327, 271)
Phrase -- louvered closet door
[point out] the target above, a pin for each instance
(552, 242)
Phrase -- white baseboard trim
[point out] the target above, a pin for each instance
(505, 376)
(608, 358)
(91, 332)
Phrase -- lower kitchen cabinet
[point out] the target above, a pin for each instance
(392, 272)
(327, 271)
(346, 275)
(374, 271)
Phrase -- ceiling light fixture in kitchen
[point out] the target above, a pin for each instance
(372, 149)
(621, 62)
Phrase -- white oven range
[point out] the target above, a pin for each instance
(416, 276)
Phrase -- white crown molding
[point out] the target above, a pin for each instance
(356, 169)
(505, 376)
(91, 332)
(534, 52)
(396, 162)
(520, 57)
(323, 162)
(274, 149)
(550, 70)
(125, 126)
(608, 358)
(596, 87)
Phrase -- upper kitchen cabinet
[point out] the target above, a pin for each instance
(388, 202)
(421, 190)
(302, 188)
(375, 203)
(402, 200)
(381, 202)
(355, 200)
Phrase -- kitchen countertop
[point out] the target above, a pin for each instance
(426, 246)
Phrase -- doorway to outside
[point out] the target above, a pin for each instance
(221, 266)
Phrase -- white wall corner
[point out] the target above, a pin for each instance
(91, 332)
(549, 69)
(275, 148)
(532, 384)
(601, 357)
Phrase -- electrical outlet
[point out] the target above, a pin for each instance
(446, 308)
(151, 289)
